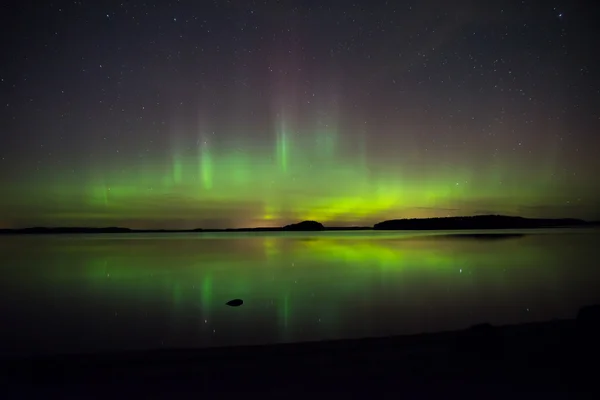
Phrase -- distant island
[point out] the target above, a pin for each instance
(478, 222)
(305, 226)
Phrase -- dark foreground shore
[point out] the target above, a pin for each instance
(557, 359)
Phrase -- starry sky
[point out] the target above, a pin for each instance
(215, 114)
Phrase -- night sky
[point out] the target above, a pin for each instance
(214, 114)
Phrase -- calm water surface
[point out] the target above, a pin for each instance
(87, 293)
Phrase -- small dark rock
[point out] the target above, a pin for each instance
(235, 302)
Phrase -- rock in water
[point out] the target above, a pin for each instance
(235, 302)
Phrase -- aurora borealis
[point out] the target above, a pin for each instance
(240, 114)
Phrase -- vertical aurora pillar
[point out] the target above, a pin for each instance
(282, 146)
(205, 165)
(177, 168)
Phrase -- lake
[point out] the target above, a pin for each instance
(84, 293)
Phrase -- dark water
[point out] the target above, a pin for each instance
(109, 292)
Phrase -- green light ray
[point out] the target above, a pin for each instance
(206, 168)
(282, 146)
(245, 185)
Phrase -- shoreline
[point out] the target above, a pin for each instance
(43, 231)
(544, 357)
(464, 223)
(125, 231)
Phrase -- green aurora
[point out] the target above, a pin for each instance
(350, 114)
(318, 177)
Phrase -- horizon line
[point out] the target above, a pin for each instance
(274, 228)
